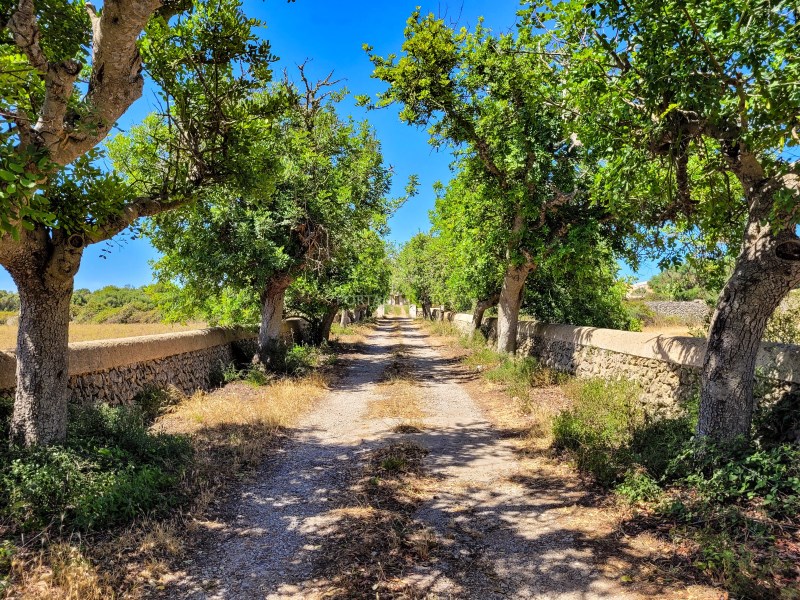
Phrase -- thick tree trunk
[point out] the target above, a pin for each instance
(40, 405)
(44, 273)
(480, 308)
(766, 270)
(508, 307)
(269, 333)
(328, 318)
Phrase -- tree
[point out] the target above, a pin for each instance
(55, 198)
(493, 101)
(254, 236)
(474, 243)
(357, 275)
(693, 109)
(419, 272)
(576, 284)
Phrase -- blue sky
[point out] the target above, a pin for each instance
(330, 35)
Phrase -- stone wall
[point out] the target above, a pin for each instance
(115, 371)
(696, 310)
(666, 367)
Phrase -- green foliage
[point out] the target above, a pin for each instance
(736, 501)
(637, 486)
(598, 428)
(518, 194)
(320, 189)
(357, 274)
(111, 470)
(9, 301)
(519, 375)
(692, 280)
(113, 304)
(587, 294)
(419, 271)
(745, 474)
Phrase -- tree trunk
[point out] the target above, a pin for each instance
(481, 307)
(766, 270)
(328, 318)
(44, 280)
(269, 333)
(508, 307)
(426, 310)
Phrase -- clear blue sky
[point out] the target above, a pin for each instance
(330, 35)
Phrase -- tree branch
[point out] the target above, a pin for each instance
(24, 28)
(146, 206)
(116, 80)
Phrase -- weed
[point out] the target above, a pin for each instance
(231, 373)
(412, 426)
(599, 427)
(156, 400)
(110, 470)
(637, 486)
(737, 503)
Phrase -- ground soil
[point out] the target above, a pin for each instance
(456, 503)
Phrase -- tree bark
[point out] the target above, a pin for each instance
(269, 332)
(324, 333)
(766, 271)
(481, 306)
(44, 272)
(508, 307)
(426, 310)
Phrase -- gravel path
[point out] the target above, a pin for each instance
(498, 538)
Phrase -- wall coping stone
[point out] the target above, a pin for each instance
(775, 361)
(101, 355)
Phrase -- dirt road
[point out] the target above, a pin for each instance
(468, 524)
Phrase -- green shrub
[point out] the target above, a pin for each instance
(110, 470)
(300, 359)
(768, 477)
(737, 501)
(599, 427)
(256, 375)
(484, 357)
(638, 486)
(522, 374)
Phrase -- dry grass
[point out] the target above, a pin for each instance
(354, 333)
(410, 426)
(399, 400)
(234, 427)
(86, 332)
(400, 396)
(379, 515)
(231, 430)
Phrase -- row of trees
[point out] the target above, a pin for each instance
(251, 185)
(602, 129)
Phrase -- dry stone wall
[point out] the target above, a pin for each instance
(667, 368)
(116, 371)
(696, 310)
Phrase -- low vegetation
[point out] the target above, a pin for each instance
(735, 506)
(106, 514)
(734, 511)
